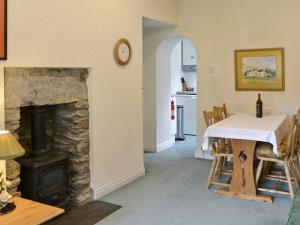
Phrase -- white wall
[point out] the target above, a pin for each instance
(177, 72)
(217, 28)
(175, 68)
(72, 33)
(152, 39)
(164, 135)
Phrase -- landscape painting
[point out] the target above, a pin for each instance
(259, 69)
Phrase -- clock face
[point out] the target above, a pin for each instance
(122, 52)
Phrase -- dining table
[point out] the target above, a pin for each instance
(244, 130)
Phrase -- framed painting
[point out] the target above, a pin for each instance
(3, 29)
(259, 69)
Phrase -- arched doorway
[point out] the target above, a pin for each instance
(168, 68)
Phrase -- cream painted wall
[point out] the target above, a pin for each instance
(217, 28)
(71, 33)
(149, 79)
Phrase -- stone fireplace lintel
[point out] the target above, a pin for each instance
(44, 86)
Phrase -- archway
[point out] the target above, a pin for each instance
(165, 87)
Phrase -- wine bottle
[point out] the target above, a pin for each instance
(259, 107)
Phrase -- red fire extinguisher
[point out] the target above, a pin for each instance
(172, 110)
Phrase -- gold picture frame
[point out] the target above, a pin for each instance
(259, 69)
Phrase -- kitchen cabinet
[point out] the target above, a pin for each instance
(189, 103)
(189, 59)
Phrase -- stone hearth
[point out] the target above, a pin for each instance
(66, 90)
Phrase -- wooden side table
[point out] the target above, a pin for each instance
(29, 212)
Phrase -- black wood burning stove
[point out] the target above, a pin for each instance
(44, 174)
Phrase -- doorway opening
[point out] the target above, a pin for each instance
(169, 83)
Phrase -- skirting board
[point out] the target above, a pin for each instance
(160, 147)
(117, 183)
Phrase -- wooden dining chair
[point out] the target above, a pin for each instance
(287, 157)
(298, 124)
(297, 144)
(221, 110)
(219, 152)
(297, 148)
(210, 117)
(223, 114)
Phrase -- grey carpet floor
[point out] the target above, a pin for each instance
(172, 193)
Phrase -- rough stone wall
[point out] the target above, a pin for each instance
(53, 86)
(71, 133)
(43, 86)
(12, 175)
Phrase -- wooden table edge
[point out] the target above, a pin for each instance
(16, 217)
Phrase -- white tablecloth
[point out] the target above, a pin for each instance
(270, 128)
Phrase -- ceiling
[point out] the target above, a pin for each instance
(151, 23)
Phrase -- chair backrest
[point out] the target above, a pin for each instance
(298, 117)
(297, 135)
(211, 117)
(222, 111)
(292, 135)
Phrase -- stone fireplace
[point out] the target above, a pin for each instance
(63, 93)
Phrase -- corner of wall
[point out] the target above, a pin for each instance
(159, 147)
(117, 183)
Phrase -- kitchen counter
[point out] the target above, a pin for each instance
(186, 92)
(193, 96)
(189, 103)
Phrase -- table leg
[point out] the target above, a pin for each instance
(243, 182)
(219, 167)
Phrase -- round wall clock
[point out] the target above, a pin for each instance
(122, 51)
